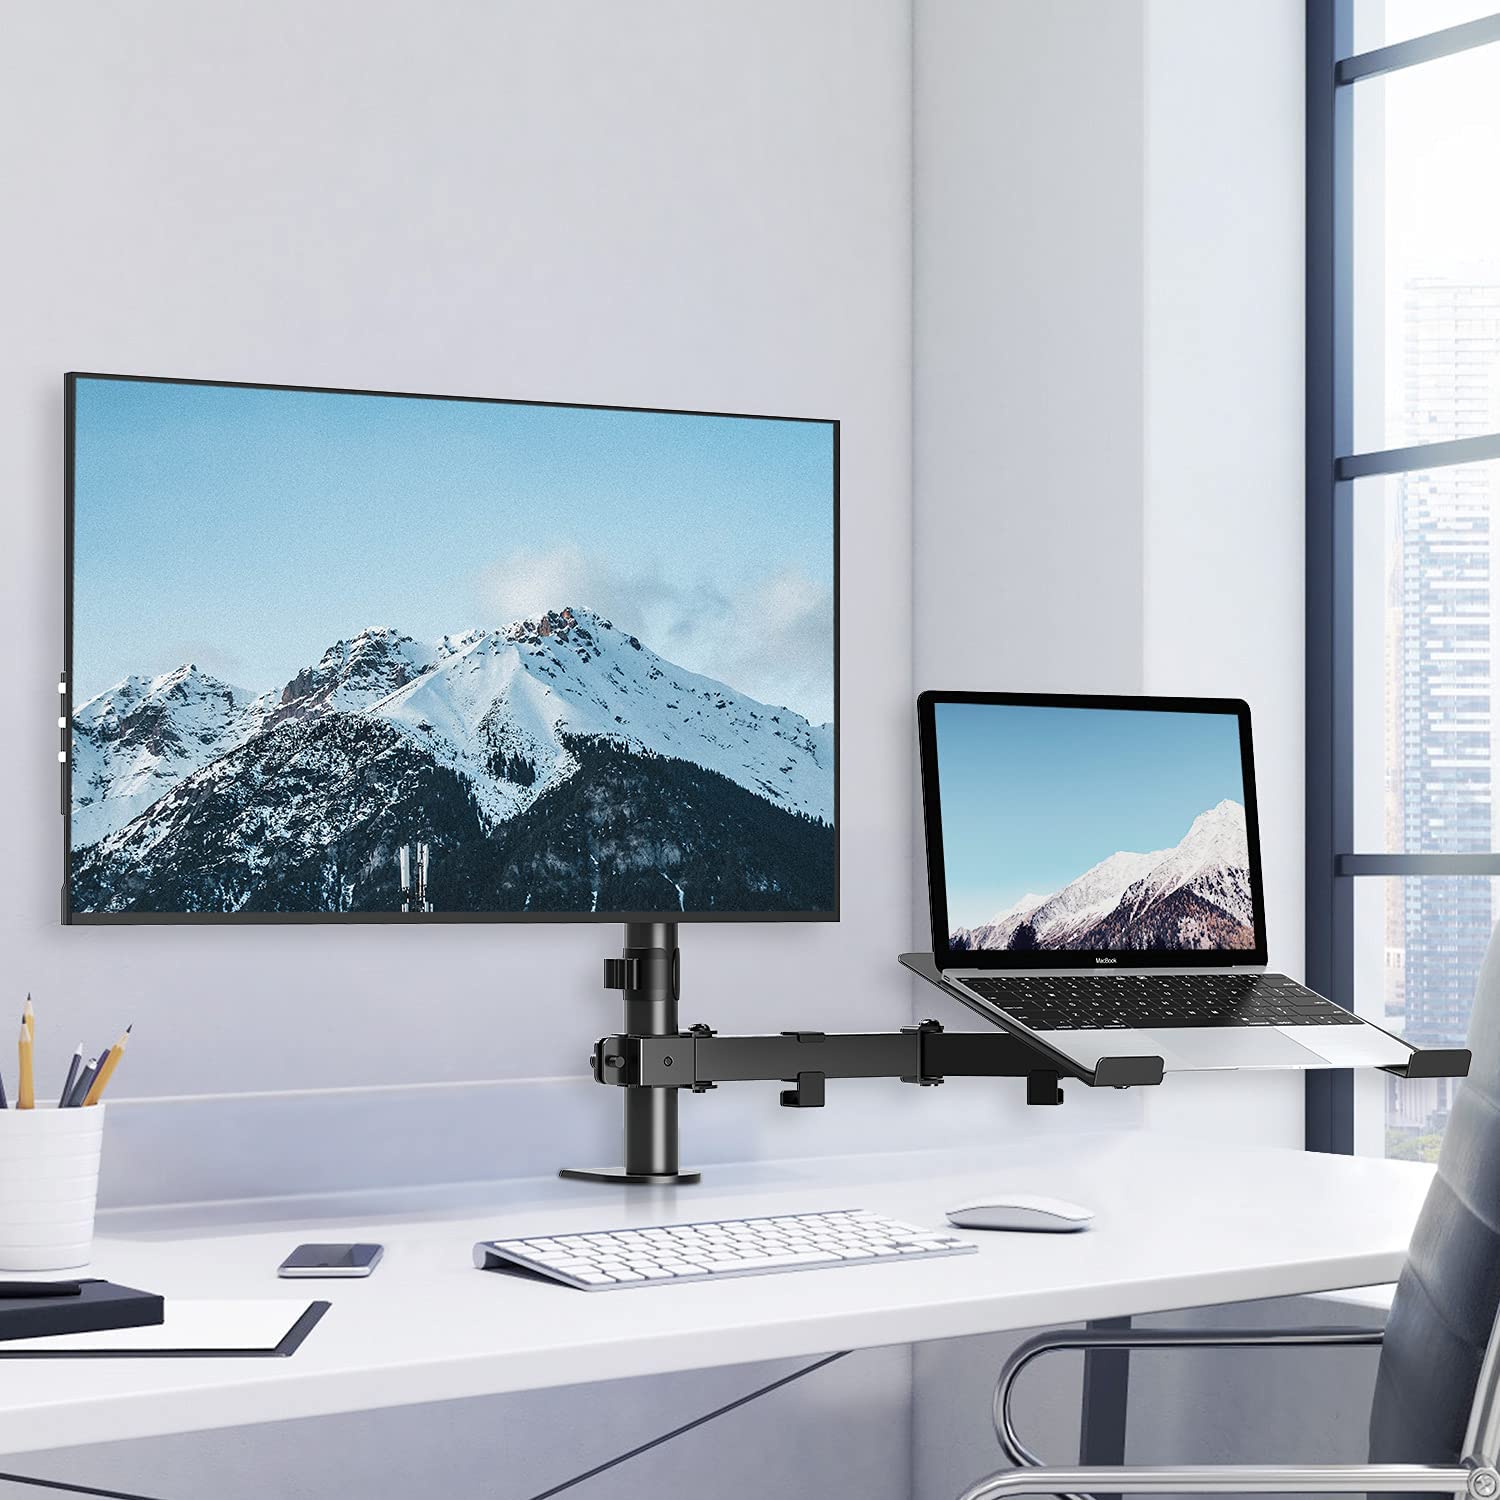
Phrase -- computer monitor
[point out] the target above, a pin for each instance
(352, 656)
(1069, 830)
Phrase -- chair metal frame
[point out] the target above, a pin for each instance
(1476, 1477)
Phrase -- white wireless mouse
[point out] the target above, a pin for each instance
(1021, 1211)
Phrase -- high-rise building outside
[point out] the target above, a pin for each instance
(1445, 595)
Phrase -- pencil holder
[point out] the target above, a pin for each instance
(49, 1184)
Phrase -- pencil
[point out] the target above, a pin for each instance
(25, 1094)
(28, 1018)
(4, 1102)
(72, 1078)
(82, 1087)
(107, 1065)
(85, 1078)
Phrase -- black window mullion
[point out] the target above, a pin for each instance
(1418, 49)
(1418, 865)
(1329, 434)
(1419, 457)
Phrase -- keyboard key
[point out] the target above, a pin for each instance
(759, 1263)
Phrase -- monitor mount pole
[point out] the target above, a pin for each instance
(649, 972)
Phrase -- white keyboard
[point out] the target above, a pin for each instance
(706, 1252)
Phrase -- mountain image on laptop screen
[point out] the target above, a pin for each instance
(579, 661)
(1067, 829)
(1194, 895)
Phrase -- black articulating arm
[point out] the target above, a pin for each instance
(651, 1060)
(700, 1059)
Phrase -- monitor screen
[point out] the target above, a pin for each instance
(360, 655)
(1072, 829)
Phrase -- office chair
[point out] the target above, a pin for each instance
(1435, 1420)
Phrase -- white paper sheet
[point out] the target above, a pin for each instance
(190, 1324)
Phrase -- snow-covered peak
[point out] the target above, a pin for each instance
(1094, 894)
(1215, 841)
(184, 687)
(559, 624)
(356, 673)
(457, 641)
(134, 741)
(113, 704)
(1213, 861)
(998, 931)
(1218, 835)
(1022, 908)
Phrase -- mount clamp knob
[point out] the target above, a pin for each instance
(622, 973)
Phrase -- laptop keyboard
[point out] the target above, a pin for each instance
(1094, 1002)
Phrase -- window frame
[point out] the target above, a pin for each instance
(1334, 71)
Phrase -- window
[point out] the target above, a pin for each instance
(1403, 501)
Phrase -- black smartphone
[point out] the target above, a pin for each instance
(332, 1260)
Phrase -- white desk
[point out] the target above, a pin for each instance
(1177, 1226)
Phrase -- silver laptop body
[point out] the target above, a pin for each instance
(1094, 881)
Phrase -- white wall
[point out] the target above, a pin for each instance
(1028, 379)
(661, 203)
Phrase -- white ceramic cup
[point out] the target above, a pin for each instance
(49, 1185)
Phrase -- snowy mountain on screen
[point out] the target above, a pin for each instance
(1196, 895)
(203, 797)
(134, 742)
(501, 708)
(496, 706)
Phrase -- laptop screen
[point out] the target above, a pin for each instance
(1080, 830)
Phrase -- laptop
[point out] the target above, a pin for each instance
(1094, 874)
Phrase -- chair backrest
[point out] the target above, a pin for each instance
(1449, 1294)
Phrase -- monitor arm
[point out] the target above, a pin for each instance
(651, 1060)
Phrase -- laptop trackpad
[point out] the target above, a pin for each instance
(1189, 1048)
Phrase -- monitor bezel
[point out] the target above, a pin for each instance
(1086, 958)
(72, 917)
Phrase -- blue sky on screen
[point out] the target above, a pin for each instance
(248, 530)
(1032, 797)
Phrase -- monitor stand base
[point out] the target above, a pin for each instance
(619, 1174)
